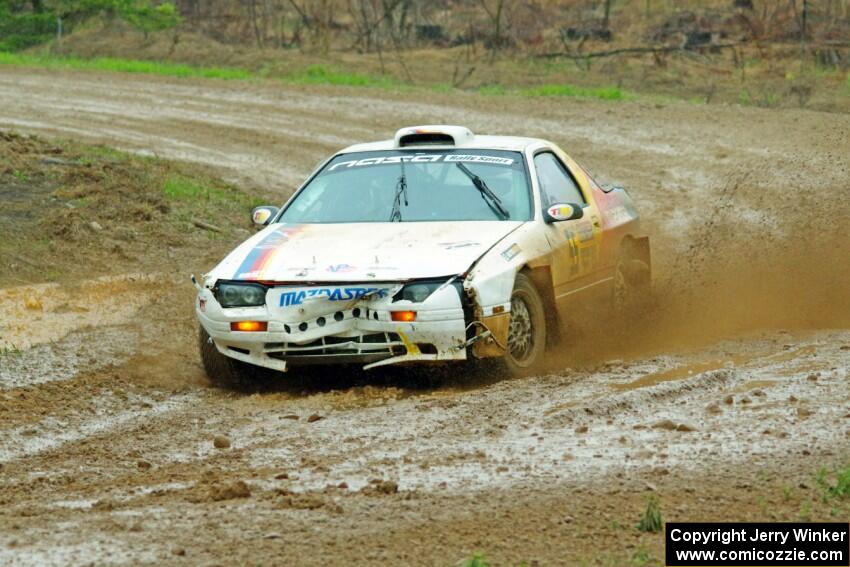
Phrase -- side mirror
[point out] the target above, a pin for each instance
(561, 212)
(262, 215)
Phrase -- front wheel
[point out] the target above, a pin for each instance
(527, 330)
(223, 371)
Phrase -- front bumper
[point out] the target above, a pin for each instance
(324, 332)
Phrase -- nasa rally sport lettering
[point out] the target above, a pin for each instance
(297, 297)
(424, 158)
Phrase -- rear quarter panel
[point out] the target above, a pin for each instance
(619, 218)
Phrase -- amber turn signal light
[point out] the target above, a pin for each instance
(249, 326)
(404, 316)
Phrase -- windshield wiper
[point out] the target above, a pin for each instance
(489, 197)
(400, 191)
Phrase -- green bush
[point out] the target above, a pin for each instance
(22, 26)
(146, 16)
(22, 30)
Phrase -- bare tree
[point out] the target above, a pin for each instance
(494, 12)
(606, 13)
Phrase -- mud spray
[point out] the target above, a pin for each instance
(764, 257)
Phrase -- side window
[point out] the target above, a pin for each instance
(556, 184)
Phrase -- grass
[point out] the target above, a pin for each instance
(558, 90)
(124, 66)
(602, 93)
(9, 350)
(640, 558)
(324, 75)
(805, 513)
(182, 188)
(107, 152)
(477, 560)
(145, 203)
(787, 493)
(841, 488)
(492, 90)
(651, 520)
(178, 187)
(310, 75)
(836, 485)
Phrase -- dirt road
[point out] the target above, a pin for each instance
(723, 403)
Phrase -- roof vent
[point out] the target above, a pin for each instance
(435, 135)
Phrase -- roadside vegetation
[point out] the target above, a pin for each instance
(163, 68)
(60, 200)
(9, 350)
(25, 24)
(651, 521)
(309, 75)
(476, 560)
(834, 484)
(748, 52)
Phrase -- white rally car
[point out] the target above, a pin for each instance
(436, 246)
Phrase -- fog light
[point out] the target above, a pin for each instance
(404, 316)
(249, 326)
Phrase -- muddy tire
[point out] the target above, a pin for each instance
(527, 331)
(223, 371)
(632, 286)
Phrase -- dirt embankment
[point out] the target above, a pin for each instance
(722, 403)
(70, 211)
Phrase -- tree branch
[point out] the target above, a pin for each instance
(633, 50)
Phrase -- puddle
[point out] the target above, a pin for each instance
(677, 373)
(803, 367)
(686, 371)
(42, 313)
(794, 353)
(754, 385)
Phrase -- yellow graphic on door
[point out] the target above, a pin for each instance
(583, 243)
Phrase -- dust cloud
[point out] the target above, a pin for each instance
(763, 258)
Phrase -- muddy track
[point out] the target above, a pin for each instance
(107, 424)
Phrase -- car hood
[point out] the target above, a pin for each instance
(350, 252)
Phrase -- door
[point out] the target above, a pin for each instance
(576, 263)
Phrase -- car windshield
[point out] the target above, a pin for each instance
(415, 185)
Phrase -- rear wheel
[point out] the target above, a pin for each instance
(527, 330)
(223, 371)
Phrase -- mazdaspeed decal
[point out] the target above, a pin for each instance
(423, 158)
(297, 296)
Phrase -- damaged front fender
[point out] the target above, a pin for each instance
(490, 285)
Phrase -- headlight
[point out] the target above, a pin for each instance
(417, 292)
(240, 295)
